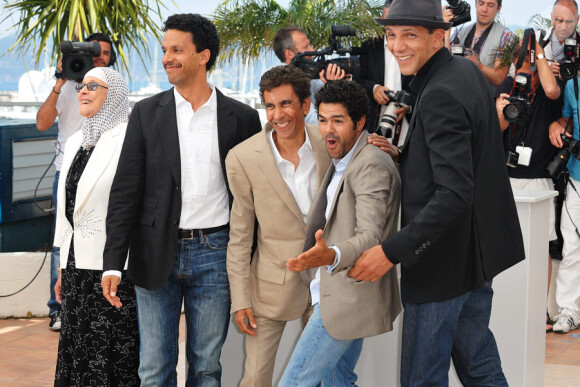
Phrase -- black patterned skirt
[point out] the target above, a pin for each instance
(99, 344)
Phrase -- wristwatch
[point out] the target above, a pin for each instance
(540, 56)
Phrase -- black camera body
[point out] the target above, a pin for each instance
(519, 105)
(387, 120)
(570, 146)
(77, 58)
(461, 10)
(569, 65)
(350, 64)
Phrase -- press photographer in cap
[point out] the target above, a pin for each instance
(484, 40)
(62, 103)
(459, 225)
(526, 106)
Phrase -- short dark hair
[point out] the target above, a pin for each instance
(283, 40)
(499, 3)
(349, 94)
(100, 37)
(387, 3)
(286, 75)
(204, 33)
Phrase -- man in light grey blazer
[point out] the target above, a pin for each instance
(356, 207)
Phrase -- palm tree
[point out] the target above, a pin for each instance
(247, 27)
(38, 22)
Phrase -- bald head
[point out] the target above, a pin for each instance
(564, 18)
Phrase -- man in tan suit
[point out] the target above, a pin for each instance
(274, 177)
(357, 207)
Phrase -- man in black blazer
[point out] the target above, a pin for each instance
(169, 208)
(459, 220)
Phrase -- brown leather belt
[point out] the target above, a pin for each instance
(194, 233)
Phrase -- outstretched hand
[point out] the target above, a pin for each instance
(319, 255)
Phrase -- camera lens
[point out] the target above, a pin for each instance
(77, 66)
(511, 112)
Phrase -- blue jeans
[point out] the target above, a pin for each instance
(318, 357)
(435, 332)
(199, 279)
(53, 305)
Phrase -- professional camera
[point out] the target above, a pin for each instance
(570, 146)
(461, 10)
(569, 65)
(519, 103)
(460, 50)
(350, 64)
(77, 58)
(387, 120)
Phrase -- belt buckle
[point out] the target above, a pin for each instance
(190, 237)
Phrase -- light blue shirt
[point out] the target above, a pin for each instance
(339, 168)
(570, 111)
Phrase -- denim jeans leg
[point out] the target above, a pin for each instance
(158, 313)
(475, 353)
(53, 305)
(207, 306)
(320, 357)
(428, 332)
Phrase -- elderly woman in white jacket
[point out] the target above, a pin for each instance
(99, 344)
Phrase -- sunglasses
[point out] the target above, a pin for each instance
(91, 86)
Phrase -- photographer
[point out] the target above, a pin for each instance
(525, 137)
(485, 39)
(564, 20)
(62, 103)
(292, 40)
(379, 74)
(567, 288)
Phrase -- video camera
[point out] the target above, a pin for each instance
(570, 146)
(387, 120)
(461, 10)
(460, 50)
(519, 103)
(350, 64)
(569, 65)
(77, 58)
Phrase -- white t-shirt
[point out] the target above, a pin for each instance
(69, 118)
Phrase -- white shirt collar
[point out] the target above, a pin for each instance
(279, 159)
(211, 103)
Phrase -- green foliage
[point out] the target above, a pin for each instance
(247, 27)
(38, 22)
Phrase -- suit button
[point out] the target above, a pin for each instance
(424, 245)
(175, 221)
(416, 252)
(428, 243)
(177, 188)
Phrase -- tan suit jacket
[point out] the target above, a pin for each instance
(262, 198)
(364, 212)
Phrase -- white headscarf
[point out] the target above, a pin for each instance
(115, 109)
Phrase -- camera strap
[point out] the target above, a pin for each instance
(529, 40)
(469, 39)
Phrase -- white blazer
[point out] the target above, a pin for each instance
(92, 199)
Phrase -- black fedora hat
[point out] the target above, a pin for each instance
(425, 13)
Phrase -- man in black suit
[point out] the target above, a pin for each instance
(169, 207)
(459, 220)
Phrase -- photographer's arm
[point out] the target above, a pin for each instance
(556, 130)
(500, 103)
(47, 113)
(547, 78)
(447, 16)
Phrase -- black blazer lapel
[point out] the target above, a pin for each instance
(226, 121)
(166, 117)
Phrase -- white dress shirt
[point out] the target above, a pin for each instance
(339, 168)
(302, 180)
(204, 196)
